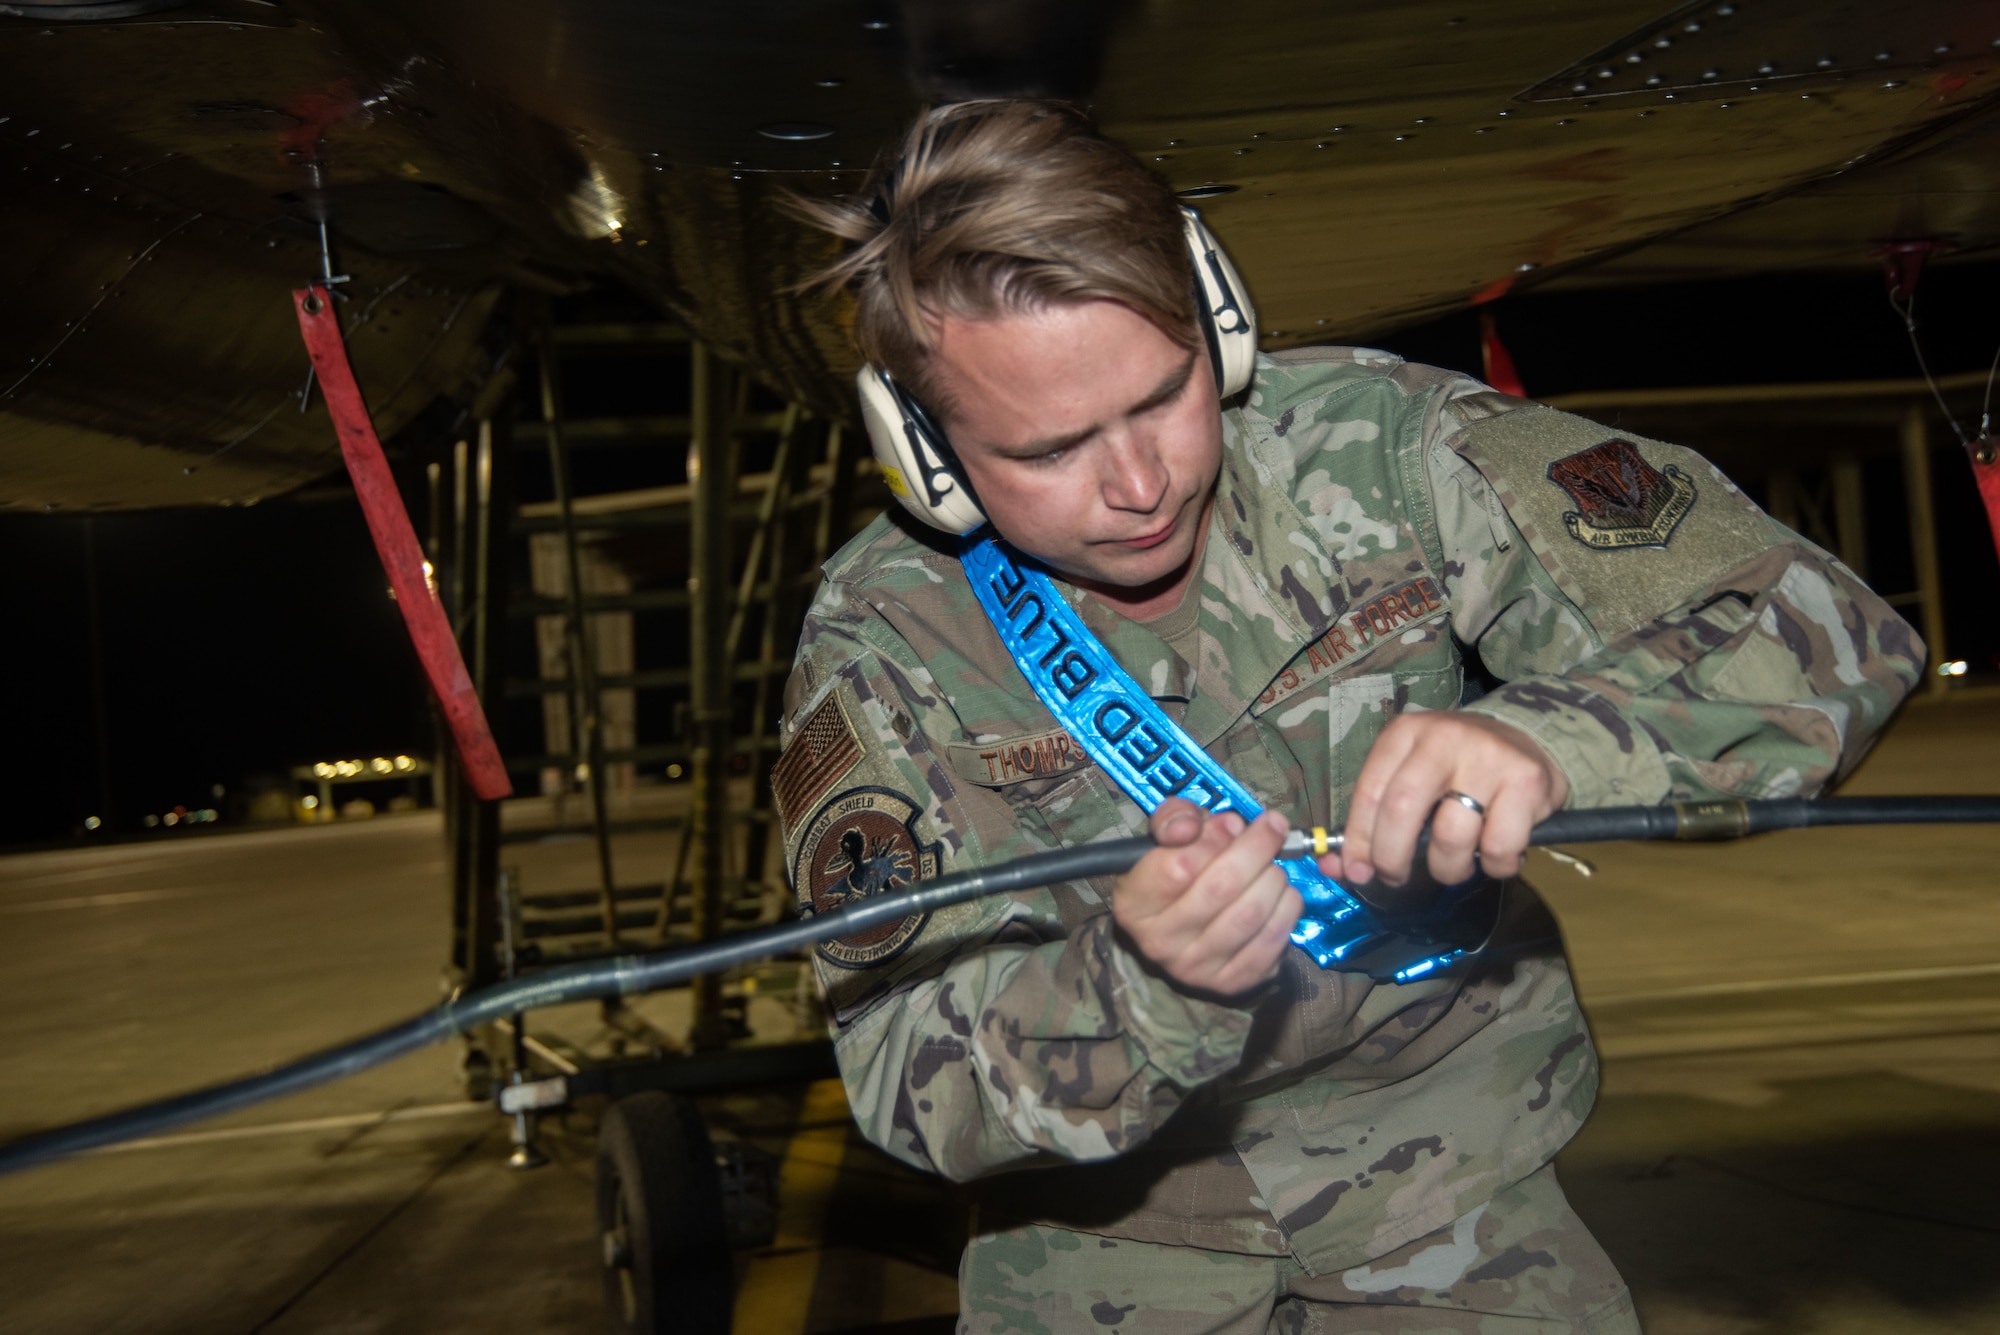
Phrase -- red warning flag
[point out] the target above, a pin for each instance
(396, 544)
(1498, 363)
(1988, 476)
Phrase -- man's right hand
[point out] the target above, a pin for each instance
(1208, 905)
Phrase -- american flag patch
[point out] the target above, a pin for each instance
(823, 749)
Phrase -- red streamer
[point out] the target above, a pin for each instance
(1498, 363)
(1988, 476)
(396, 544)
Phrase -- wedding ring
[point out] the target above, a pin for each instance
(1471, 804)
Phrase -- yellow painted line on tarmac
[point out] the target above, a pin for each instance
(113, 899)
(1754, 986)
(776, 1296)
(344, 1122)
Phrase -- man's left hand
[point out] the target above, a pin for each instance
(1418, 759)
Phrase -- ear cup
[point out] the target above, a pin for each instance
(1228, 319)
(916, 459)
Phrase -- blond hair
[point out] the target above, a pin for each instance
(996, 207)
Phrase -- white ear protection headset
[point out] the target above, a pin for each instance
(918, 462)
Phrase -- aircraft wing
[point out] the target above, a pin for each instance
(169, 163)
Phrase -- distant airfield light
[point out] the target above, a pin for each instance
(170, 819)
(1955, 668)
(91, 822)
(309, 802)
(405, 763)
(152, 821)
(382, 765)
(323, 770)
(673, 771)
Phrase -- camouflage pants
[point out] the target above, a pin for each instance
(1521, 1264)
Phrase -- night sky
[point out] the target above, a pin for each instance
(240, 642)
(236, 642)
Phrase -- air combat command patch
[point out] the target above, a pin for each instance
(1621, 500)
(863, 842)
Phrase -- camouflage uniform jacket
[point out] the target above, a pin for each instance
(1376, 526)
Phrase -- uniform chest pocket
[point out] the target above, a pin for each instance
(1357, 709)
(1080, 808)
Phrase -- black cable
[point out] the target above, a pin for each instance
(624, 975)
(1734, 819)
(628, 975)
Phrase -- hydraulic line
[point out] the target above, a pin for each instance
(628, 975)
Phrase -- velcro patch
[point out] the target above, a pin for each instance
(1597, 509)
(1621, 500)
(861, 843)
(821, 752)
(1388, 613)
(1040, 755)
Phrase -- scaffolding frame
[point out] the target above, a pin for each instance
(753, 546)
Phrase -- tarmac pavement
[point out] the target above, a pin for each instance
(1797, 1131)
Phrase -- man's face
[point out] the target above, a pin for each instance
(1092, 439)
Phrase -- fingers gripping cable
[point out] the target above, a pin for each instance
(628, 975)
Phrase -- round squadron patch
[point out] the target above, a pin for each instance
(861, 843)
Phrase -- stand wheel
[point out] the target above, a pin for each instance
(659, 1211)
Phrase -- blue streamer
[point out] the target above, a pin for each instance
(1147, 754)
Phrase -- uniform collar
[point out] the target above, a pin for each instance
(1250, 624)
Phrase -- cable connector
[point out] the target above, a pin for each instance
(1316, 842)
